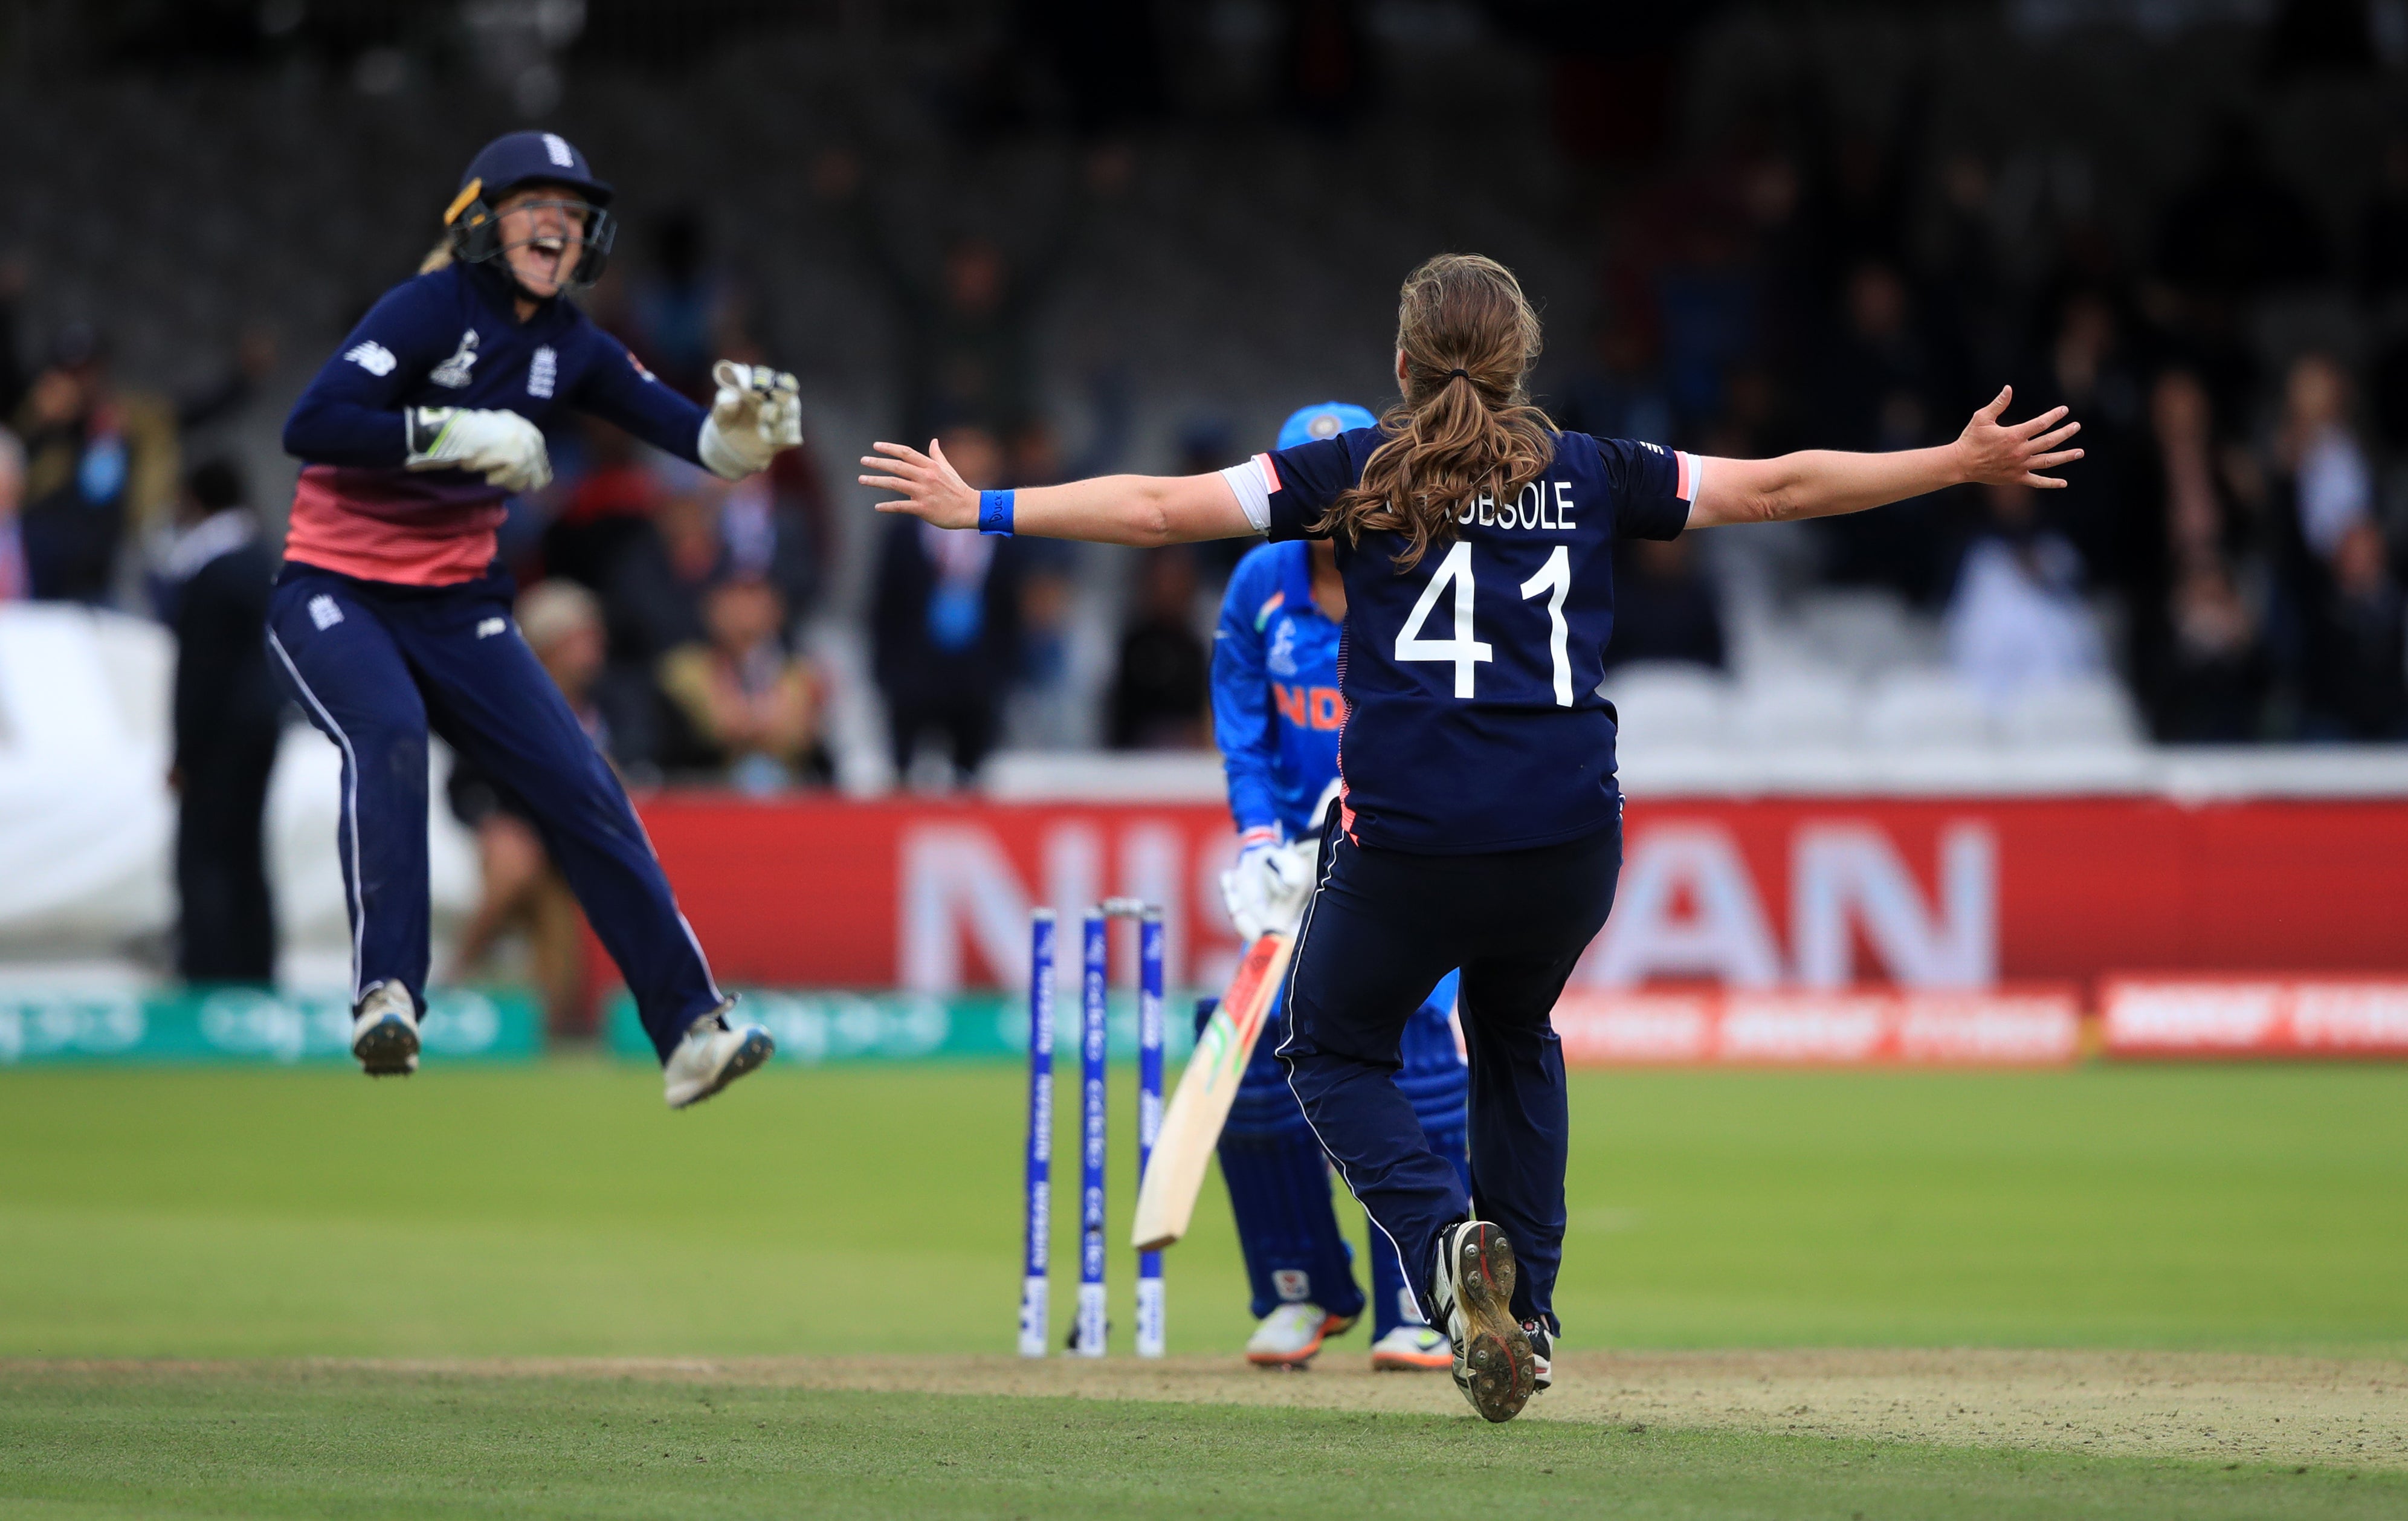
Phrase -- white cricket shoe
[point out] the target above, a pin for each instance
(1291, 1335)
(717, 1049)
(1493, 1362)
(384, 1032)
(1411, 1349)
(1542, 1355)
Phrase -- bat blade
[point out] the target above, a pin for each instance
(1191, 1126)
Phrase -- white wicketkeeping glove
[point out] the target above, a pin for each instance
(1267, 889)
(503, 447)
(755, 414)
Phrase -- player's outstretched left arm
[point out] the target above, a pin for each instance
(1825, 483)
(1140, 509)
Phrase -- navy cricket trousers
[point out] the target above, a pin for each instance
(1384, 927)
(376, 665)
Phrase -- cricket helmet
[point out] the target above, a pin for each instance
(527, 158)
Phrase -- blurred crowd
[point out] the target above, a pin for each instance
(2235, 543)
(2232, 547)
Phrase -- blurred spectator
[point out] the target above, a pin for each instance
(2356, 688)
(605, 507)
(766, 525)
(678, 307)
(253, 361)
(2017, 620)
(101, 466)
(752, 704)
(1663, 607)
(1160, 692)
(1962, 260)
(1707, 301)
(2198, 517)
(15, 582)
(2209, 687)
(2199, 643)
(522, 890)
(229, 714)
(967, 347)
(945, 622)
(1622, 395)
(654, 585)
(1881, 383)
(2083, 366)
(2333, 484)
(1752, 424)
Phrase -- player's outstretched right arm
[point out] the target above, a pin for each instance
(1823, 482)
(1145, 511)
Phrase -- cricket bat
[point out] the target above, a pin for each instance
(1191, 1126)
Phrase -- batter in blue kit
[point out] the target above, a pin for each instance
(389, 618)
(1277, 711)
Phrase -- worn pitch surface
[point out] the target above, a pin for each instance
(2350, 1413)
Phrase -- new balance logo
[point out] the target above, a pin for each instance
(556, 149)
(542, 372)
(324, 612)
(453, 372)
(373, 357)
(487, 627)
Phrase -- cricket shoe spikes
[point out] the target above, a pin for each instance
(1542, 1355)
(718, 1049)
(1411, 1349)
(384, 1032)
(1493, 1362)
(1291, 1335)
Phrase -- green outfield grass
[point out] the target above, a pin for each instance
(345, 1445)
(559, 1209)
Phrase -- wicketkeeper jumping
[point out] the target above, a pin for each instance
(391, 617)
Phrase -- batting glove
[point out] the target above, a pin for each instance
(755, 414)
(503, 447)
(1267, 889)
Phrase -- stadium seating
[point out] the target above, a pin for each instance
(1915, 709)
(1674, 706)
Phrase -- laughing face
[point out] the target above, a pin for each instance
(543, 235)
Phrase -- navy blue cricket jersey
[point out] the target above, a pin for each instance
(1472, 720)
(450, 338)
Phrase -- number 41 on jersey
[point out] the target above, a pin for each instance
(1467, 653)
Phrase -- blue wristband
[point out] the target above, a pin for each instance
(995, 512)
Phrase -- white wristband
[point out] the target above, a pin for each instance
(1254, 483)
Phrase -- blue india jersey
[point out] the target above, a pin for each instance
(1471, 719)
(1276, 705)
